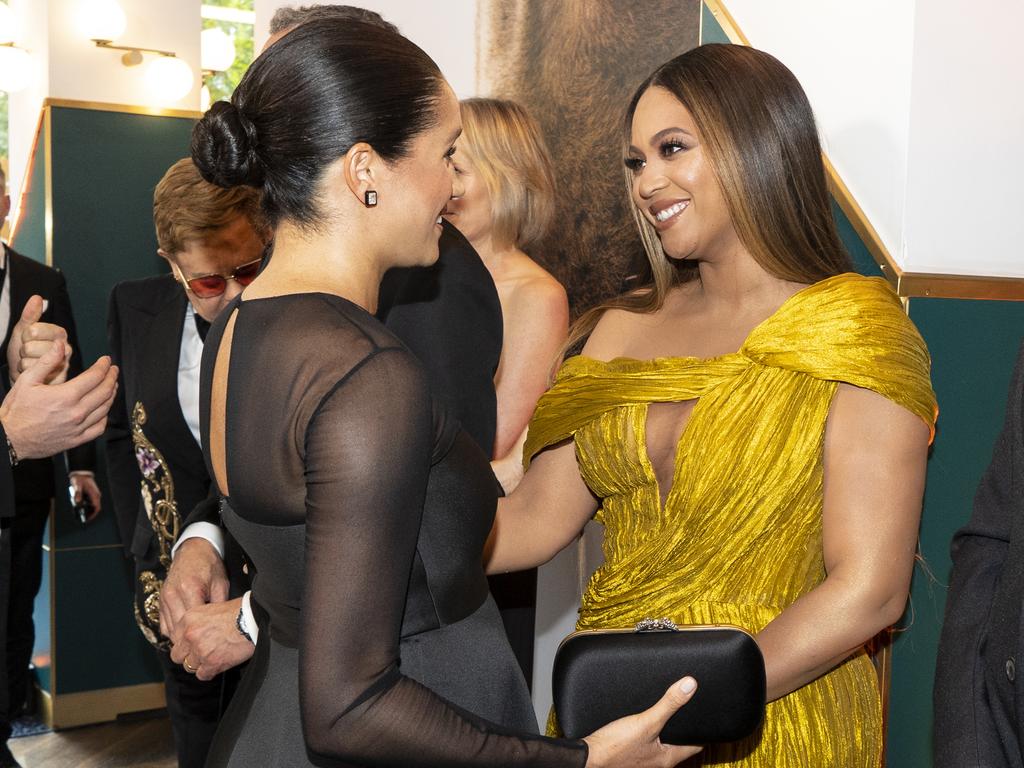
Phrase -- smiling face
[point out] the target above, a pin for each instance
(470, 211)
(673, 184)
(420, 187)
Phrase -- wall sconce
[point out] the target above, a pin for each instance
(166, 74)
(217, 55)
(101, 19)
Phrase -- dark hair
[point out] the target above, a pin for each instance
(305, 101)
(286, 17)
(758, 133)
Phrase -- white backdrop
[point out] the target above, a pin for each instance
(921, 107)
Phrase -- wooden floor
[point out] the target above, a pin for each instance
(137, 743)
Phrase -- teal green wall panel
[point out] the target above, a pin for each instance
(710, 30)
(973, 345)
(104, 167)
(96, 642)
(863, 261)
(30, 238)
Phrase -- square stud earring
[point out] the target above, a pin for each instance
(371, 198)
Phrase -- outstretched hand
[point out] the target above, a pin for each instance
(633, 741)
(41, 419)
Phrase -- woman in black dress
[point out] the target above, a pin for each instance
(362, 507)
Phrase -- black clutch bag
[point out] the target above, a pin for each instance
(602, 675)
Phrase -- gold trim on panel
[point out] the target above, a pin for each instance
(83, 549)
(906, 284)
(17, 216)
(45, 707)
(126, 108)
(861, 224)
(938, 286)
(53, 602)
(48, 166)
(73, 709)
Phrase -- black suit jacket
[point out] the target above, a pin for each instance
(979, 678)
(449, 316)
(34, 478)
(6, 474)
(146, 428)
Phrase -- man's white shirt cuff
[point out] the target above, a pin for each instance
(212, 533)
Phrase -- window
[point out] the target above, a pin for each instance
(237, 19)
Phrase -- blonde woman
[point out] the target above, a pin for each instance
(505, 210)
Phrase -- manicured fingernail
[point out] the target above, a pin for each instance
(687, 685)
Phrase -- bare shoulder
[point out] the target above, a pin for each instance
(529, 287)
(610, 337)
(618, 329)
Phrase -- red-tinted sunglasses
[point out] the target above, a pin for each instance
(208, 286)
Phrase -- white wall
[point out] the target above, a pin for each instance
(854, 60)
(921, 108)
(966, 149)
(446, 31)
(69, 66)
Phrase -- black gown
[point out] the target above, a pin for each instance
(358, 503)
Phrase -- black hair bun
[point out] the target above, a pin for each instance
(224, 147)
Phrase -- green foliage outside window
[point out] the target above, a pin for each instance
(222, 84)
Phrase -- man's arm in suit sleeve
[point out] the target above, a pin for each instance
(6, 473)
(979, 552)
(122, 467)
(82, 457)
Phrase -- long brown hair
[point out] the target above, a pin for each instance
(759, 135)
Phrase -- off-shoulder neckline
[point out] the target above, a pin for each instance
(626, 361)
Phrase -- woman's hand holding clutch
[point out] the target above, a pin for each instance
(633, 741)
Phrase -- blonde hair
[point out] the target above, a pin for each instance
(507, 148)
(759, 135)
(186, 207)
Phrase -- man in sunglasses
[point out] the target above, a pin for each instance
(213, 241)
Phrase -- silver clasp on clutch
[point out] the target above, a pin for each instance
(657, 625)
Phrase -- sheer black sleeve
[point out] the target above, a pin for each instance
(367, 457)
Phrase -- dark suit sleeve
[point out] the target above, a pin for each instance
(963, 722)
(82, 457)
(6, 470)
(206, 511)
(122, 468)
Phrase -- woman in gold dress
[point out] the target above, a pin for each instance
(752, 427)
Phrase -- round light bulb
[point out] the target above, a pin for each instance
(204, 98)
(101, 19)
(8, 34)
(15, 69)
(168, 78)
(218, 50)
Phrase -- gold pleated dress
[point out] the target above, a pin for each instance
(740, 535)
